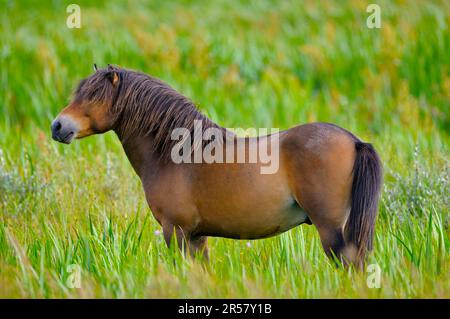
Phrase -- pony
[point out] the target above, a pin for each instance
(326, 176)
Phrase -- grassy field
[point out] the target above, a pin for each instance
(79, 209)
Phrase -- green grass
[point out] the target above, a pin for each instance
(246, 64)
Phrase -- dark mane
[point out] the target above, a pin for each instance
(144, 106)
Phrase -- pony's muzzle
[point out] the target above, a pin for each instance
(64, 129)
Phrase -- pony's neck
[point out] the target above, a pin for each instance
(142, 154)
(148, 107)
(148, 111)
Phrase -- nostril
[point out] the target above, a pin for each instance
(56, 126)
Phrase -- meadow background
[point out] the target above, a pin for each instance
(246, 64)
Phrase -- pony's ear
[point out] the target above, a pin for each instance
(112, 75)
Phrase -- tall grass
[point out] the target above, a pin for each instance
(246, 64)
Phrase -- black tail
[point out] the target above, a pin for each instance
(367, 179)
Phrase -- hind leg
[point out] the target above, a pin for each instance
(320, 159)
(333, 243)
(330, 222)
(329, 215)
(328, 209)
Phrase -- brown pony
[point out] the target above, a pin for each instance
(326, 176)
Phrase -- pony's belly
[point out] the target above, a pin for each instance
(257, 223)
(237, 201)
(293, 216)
(286, 219)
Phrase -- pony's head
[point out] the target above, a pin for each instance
(90, 111)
